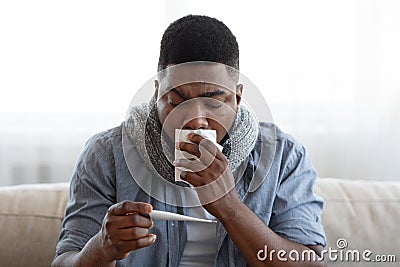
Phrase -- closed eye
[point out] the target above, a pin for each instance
(212, 103)
(174, 100)
(214, 106)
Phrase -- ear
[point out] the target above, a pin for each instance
(156, 89)
(239, 90)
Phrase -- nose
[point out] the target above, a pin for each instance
(196, 123)
(195, 117)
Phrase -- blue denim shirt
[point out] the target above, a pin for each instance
(284, 200)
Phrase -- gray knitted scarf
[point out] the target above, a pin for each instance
(145, 131)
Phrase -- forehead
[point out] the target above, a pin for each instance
(196, 75)
(194, 90)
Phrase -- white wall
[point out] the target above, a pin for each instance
(328, 69)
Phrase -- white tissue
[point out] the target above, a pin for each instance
(182, 136)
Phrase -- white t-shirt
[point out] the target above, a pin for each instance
(201, 245)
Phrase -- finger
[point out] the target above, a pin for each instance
(193, 165)
(199, 151)
(124, 207)
(209, 146)
(189, 148)
(127, 246)
(195, 138)
(132, 233)
(193, 178)
(137, 220)
(145, 241)
(114, 223)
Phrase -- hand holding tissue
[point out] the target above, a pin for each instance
(183, 136)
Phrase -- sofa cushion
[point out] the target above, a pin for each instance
(30, 219)
(366, 214)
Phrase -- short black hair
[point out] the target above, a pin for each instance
(198, 38)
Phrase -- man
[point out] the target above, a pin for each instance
(125, 172)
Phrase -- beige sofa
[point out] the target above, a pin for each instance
(363, 214)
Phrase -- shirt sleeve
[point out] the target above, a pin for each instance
(92, 192)
(296, 211)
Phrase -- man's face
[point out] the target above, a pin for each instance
(209, 102)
